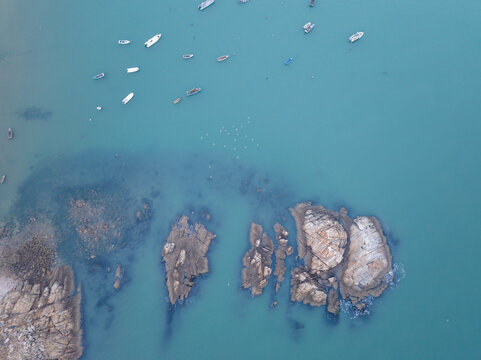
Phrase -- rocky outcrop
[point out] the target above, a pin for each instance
(306, 288)
(257, 261)
(339, 253)
(119, 274)
(41, 320)
(368, 260)
(282, 251)
(184, 255)
(321, 239)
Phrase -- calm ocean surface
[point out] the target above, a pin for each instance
(389, 126)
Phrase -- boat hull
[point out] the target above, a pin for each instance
(127, 98)
(205, 4)
(193, 91)
(99, 76)
(132, 70)
(222, 58)
(124, 42)
(153, 40)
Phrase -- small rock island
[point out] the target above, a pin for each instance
(184, 254)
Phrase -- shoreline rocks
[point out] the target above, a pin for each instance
(257, 261)
(41, 320)
(184, 255)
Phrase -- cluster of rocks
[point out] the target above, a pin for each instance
(342, 257)
(184, 255)
(39, 317)
(257, 261)
(41, 320)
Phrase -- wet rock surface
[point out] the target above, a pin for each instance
(257, 261)
(339, 253)
(283, 250)
(184, 255)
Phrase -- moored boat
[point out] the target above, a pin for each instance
(193, 91)
(312, 3)
(288, 61)
(308, 27)
(133, 69)
(242, 1)
(128, 98)
(153, 40)
(99, 108)
(10, 133)
(124, 42)
(222, 58)
(2, 179)
(205, 4)
(356, 36)
(187, 56)
(99, 76)
(177, 100)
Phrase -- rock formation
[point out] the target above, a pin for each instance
(338, 253)
(368, 260)
(257, 261)
(39, 317)
(282, 252)
(41, 320)
(184, 254)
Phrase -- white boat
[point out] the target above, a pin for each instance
(124, 42)
(133, 69)
(187, 56)
(222, 58)
(308, 27)
(205, 4)
(127, 98)
(153, 40)
(2, 179)
(356, 36)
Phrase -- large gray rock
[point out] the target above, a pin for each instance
(307, 288)
(368, 260)
(184, 254)
(257, 261)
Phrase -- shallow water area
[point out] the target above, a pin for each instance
(386, 126)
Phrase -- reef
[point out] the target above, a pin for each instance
(184, 255)
(339, 254)
(257, 261)
(39, 316)
(282, 251)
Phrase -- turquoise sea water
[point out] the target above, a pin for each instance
(388, 126)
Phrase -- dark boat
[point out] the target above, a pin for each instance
(193, 91)
(99, 76)
(10, 133)
(312, 3)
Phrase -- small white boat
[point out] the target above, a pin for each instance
(187, 56)
(356, 36)
(308, 27)
(127, 98)
(153, 40)
(133, 69)
(2, 179)
(99, 108)
(205, 4)
(222, 58)
(124, 42)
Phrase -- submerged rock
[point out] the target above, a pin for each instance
(257, 261)
(41, 320)
(368, 260)
(321, 239)
(184, 254)
(282, 251)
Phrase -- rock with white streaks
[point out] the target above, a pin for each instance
(368, 260)
(184, 254)
(257, 261)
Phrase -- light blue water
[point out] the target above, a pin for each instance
(388, 126)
